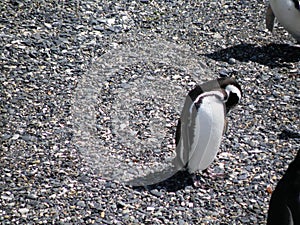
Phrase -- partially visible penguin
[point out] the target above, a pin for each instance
(287, 12)
(284, 208)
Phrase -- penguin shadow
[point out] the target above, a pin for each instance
(178, 181)
(272, 55)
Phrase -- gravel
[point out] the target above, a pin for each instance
(92, 89)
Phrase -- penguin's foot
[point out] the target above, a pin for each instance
(198, 180)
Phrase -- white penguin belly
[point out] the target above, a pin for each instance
(207, 134)
(288, 16)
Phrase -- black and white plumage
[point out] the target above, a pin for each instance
(287, 13)
(202, 122)
(199, 130)
(284, 208)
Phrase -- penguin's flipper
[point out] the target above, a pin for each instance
(270, 18)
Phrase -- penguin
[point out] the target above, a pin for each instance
(284, 206)
(199, 130)
(202, 124)
(287, 12)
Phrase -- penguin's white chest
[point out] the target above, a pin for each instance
(288, 16)
(208, 130)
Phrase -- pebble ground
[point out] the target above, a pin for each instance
(46, 49)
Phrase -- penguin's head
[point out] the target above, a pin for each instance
(233, 91)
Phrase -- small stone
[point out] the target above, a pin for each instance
(217, 36)
(48, 25)
(29, 138)
(223, 73)
(102, 214)
(150, 208)
(6, 197)
(231, 61)
(23, 210)
(15, 137)
(5, 136)
(156, 193)
(176, 77)
(81, 204)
